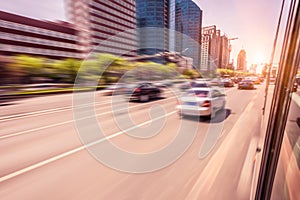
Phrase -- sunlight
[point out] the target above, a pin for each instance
(259, 58)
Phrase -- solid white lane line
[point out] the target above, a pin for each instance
(73, 151)
(48, 111)
(43, 112)
(69, 121)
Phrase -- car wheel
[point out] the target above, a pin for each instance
(144, 98)
(158, 95)
(180, 115)
(212, 115)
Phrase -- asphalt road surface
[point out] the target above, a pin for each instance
(43, 155)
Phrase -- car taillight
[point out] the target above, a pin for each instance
(206, 104)
(137, 90)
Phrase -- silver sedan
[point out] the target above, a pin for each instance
(201, 102)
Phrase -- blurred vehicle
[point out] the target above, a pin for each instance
(239, 79)
(200, 83)
(272, 80)
(185, 86)
(255, 79)
(261, 79)
(143, 92)
(114, 89)
(297, 80)
(227, 82)
(201, 102)
(216, 82)
(246, 84)
(195, 84)
(234, 79)
(164, 83)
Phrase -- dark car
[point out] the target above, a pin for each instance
(246, 84)
(216, 82)
(227, 82)
(237, 79)
(143, 92)
(200, 84)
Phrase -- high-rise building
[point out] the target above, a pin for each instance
(23, 35)
(224, 53)
(188, 22)
(161, 21)
(210, 51)
(241, 61)
(215, 49)
(108, 25)
(152, 23)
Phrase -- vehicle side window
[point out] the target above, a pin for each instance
(216, 93)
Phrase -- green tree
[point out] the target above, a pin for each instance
(29, 67)
(67, 69)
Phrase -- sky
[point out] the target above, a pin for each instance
(252, 21)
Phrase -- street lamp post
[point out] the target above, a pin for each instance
(230, 47)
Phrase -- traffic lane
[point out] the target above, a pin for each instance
(38, 119)
(187, 182)
(105, 177)
(78, 175)
(25, 107)
(41, 142)
(45, 139)
(58, 132)
(34, 120)
(224, 120)
(29, 124)
(23, 150)
(43, 103)
(237, 150)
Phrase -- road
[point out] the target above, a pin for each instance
(43, 156)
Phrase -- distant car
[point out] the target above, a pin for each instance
(200, 83)
(194, 84)
(297, 80)
(201, 102)
(246, 84)
(143, 92)
(227, 82)
(114, 90)
(164, 84)
(185, 86)
(239, 79)
(261, 79)
(255, 80)
(272, 80)
(216, 82)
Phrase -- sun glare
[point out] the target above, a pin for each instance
(259, 58)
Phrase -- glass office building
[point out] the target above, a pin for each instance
(152, 24)
(188, 21)
(170, 17)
